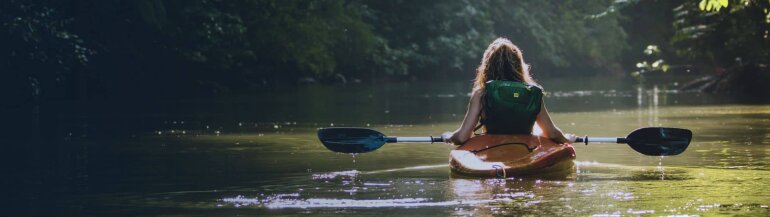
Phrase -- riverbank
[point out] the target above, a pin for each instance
(745, 81)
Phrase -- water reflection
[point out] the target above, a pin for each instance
(514, 195)
(610, 179)
(599, 189)
(239, 158)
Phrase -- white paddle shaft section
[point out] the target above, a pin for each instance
(602, 140)
(414, 139)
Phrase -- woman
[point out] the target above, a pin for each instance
(505, 98)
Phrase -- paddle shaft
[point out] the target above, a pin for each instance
(652, 141)
(431, 139)
(587, 140)
(394, 139)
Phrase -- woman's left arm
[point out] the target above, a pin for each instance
(549, 128)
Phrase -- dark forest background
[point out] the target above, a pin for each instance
(168, 48)
(85, 50)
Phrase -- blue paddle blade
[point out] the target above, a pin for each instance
(660, 141)
(351, 140)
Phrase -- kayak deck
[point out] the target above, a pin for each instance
(508, 155)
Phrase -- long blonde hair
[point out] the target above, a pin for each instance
(502, 61)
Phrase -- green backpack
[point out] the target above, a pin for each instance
(510, 107)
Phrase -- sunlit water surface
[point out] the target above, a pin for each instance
(224, 159)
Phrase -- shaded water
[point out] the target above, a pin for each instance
(259, 155)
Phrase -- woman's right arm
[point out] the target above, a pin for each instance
(465, 131)
(549, 128)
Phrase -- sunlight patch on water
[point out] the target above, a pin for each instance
(376, 184)
(597, 164)
(640, 212)
(423, 167)
(621, 196)
(529, 195)
(291, 201)
(350, 174)
(602, 93)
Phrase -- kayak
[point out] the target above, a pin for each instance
(504, 156)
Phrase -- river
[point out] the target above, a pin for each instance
(259, 155)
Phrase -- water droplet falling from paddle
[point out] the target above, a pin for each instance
(661, 168)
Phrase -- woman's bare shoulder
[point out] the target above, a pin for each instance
(475, 93)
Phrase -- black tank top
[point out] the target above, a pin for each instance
(510, 107)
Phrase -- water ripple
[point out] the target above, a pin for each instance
(290, 201)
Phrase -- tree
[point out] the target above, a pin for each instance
(572, 36)
(717, 37)
(165, 48)
(41, 54)
(428, 39)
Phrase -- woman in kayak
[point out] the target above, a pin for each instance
(505, 98)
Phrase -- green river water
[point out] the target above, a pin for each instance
(259, 155)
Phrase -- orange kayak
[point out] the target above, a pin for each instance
(511, 155)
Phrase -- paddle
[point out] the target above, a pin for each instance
(360, 140)
(654, 141)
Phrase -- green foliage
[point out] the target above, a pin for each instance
(177, 45)
(715, 5)
(653, 62)
(38, 49)
(565, 36)
(272, 40)
(723, 37)
(419, 37)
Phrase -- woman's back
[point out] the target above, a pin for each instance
(505, 98)
(510, 107)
